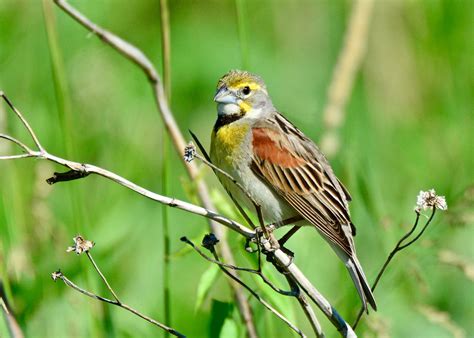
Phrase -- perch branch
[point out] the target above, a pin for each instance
(136, 56)
(287, 266)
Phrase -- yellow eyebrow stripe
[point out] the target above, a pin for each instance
(251, 85)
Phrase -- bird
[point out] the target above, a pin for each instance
(279, 168)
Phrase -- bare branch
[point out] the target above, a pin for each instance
(25, 123)
(103, 277)
(190, 153)
(287, 265)
(16, 141)
(15, 157)
(59, 275)
(307, 309)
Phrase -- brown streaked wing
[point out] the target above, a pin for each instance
(304, 184)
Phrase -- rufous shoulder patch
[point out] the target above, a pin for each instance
(266, 148)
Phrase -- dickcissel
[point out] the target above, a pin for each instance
(281, 169)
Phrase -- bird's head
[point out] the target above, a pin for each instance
(241, 93)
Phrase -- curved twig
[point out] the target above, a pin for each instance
(233, 267)
(398, 247)
(59, 275)
(14, 140)
(24, 122)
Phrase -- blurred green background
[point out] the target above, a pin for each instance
(409, 127)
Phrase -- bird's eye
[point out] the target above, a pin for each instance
(246, 90)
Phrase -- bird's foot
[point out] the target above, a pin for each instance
(265, 238)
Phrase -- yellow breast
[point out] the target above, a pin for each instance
(227, 142)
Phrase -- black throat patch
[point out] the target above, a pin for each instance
(223, 120)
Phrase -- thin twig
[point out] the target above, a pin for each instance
(307, 309)
(68, 282)
(207, 161)
(103, 277)
(420, 233)
(348, 63)
(234, 267)
(256, 295)
(24, 122)
(13, 328)
(139, 58)
(398, 247)
(16, 141)
(15, 157)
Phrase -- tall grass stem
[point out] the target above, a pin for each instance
(166, 57)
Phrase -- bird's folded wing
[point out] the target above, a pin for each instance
(296, 173)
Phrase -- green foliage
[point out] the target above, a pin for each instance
(220, 316)
(206, 282)
(409, 127)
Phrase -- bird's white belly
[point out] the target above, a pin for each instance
(274, 208)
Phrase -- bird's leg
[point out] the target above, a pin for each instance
(266, 231)
(288, 235)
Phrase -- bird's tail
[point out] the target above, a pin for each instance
(361, 284)
(358, 277)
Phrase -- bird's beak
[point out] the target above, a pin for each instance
(225, 96)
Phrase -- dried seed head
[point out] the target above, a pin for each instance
(429, 199)
(56, 274)
(189, 152)
(81, 245)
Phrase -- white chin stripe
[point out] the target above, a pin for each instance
(227, 109)
(254, 113)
